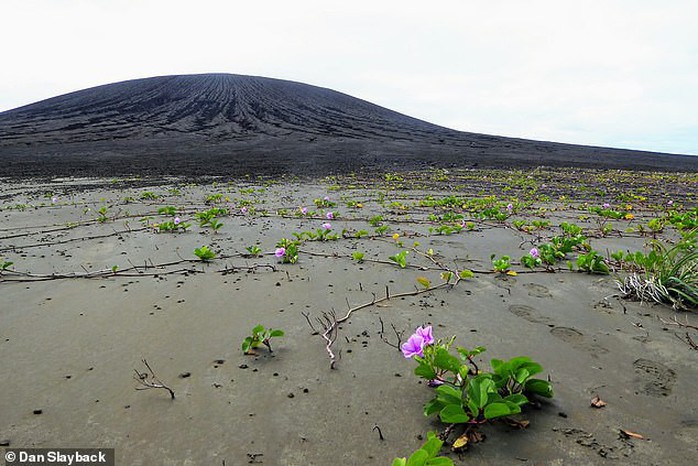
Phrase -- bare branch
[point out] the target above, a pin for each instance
(149, 380)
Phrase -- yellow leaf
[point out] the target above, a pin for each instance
(629, 216)
(424, 282)
(396, 236)
(511, 273)
(461, 442)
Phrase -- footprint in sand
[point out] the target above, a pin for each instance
(577, 339)
(538, 291)
(657, 378)
(530, 314)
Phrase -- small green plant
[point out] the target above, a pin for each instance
(260, 336)
(149, 196)
(400, 258)
(358, 256)
(102, 218)
(501, 265)
(168, 210)
(287, 251)
(426, 455)
(5, 265)
(532, 259)
(215, 224)
(254, 251)
(592, 262)
(204, 253)
(213, 198)
(382, 229)
(325, 202)
(375, 221)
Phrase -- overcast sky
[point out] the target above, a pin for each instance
(609, 72)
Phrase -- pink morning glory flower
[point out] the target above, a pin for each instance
(670, 203)
(280, 252)
(327, 198)
(327, 226)
(304, 210)
(329, 215)
(510, 207)
(54, 199)
(425, 333)
(413, 347)
(243, 210)
(534, 253)
(177, 220)
(606, 205)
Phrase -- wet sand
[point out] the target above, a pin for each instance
(73, 331)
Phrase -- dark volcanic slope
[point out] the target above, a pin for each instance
(230, 124)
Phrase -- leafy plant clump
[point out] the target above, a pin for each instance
(204, 253)
(426, 455)
(287, 251)
(400, 258)
(670, 275)
(466, 394)
(260, 336)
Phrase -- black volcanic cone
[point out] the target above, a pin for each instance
(230, 124)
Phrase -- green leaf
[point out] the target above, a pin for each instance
(521, 376)
(497, 365)
(433, 406)
(246, 344)
(465, 274)
(539, 387)
(453, 414)
(276, 333)
(445, 360)
(432, 445)
(400, 462)
(448, 395)
(258, 329)
(439, 461)
(425, 370)
(478, 389)
(517, 398)
(498, 409)
(418, 458)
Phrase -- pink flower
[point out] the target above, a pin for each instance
(326, 198)
(54, 199)
(606, 205)
(280, 252)
(425, 333)
(510, 208)
(670, 203)
(413, 347)
(177, 220)
(329, 215)
(304, 210)
(534, 253)
(243, 210)
(327, 226)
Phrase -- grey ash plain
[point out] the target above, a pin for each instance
(225, 124)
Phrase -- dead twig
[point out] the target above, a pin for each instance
(398, 335)
(149, 380)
